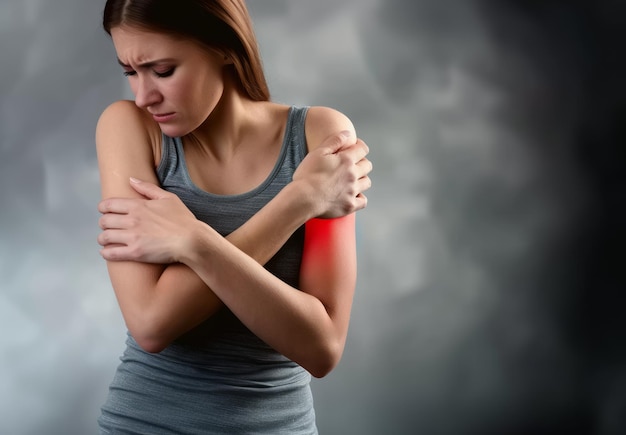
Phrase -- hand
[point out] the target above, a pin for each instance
(336, 175)
(150, 230)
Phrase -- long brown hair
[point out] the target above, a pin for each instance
(222, 25)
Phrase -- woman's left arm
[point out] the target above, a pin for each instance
(308, 326)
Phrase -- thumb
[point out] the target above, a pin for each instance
(147, 189)
(336, 142)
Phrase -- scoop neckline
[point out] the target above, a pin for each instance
(237, 196)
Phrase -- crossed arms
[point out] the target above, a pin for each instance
(170, 271)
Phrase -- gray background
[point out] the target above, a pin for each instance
(489, 275)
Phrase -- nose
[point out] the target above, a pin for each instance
(146, 93)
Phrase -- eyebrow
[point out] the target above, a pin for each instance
(146, 64)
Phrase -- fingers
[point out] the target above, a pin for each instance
(336, 142)
(363, 184)
(109, 221)
(355, 152)
(359, 143)
(360, 202)
(147, 189)
(124, 205)
(116, 205)
(364, 167)
(110, 253)
(116, 253)
(114, 238)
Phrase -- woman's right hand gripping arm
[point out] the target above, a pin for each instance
(161, 302)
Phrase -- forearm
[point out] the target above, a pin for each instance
(269, 229)
(295, 323)
(181, 300)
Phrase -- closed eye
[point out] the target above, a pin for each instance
(164, 74)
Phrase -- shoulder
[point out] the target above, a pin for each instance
(322, 122)
(123, 113)
(122, 122)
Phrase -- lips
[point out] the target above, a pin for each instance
(163, 117)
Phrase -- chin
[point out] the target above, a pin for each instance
(173, 130)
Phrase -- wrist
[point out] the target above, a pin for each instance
(303, 200)
(193, 243)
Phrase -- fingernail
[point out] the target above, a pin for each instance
(345, 133)
(134, 180)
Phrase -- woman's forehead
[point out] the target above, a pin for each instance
(139, 45)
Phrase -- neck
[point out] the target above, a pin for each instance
(234, 119)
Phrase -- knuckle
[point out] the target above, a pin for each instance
(348, 207)
(344, 159)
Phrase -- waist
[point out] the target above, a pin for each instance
(236, 360)
(171, 394)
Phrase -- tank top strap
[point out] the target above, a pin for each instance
(295, 136)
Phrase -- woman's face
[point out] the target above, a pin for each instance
(176, 80)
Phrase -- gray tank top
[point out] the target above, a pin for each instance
(218, 378)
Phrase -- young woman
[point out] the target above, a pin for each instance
(227, 226)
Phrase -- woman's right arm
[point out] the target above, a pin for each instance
(161, 302)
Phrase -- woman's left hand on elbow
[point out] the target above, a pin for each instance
(152, 229)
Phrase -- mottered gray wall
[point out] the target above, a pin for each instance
(488, 267)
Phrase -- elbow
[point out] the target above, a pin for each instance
(325, 360)
(149, 335)
(150, 345)
(321, 371)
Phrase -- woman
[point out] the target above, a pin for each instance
(219, 343)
